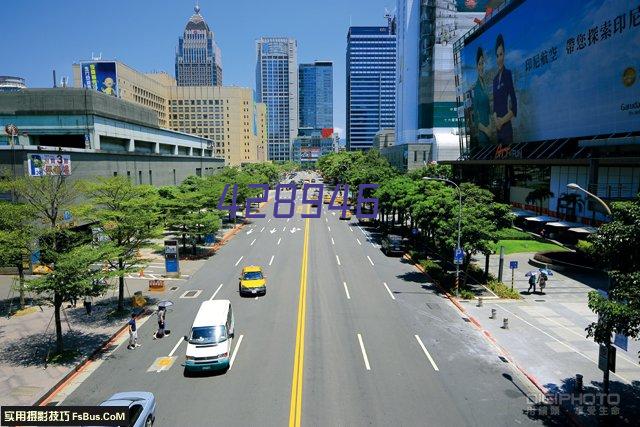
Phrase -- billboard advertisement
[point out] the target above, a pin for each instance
(100, 76)
(543, 73)
(49, 164)
(477, 5)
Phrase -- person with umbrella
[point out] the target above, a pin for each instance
(532, 281)
(162, 313)
(538, 277)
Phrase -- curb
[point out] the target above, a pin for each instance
(87, 361)
(570, 415)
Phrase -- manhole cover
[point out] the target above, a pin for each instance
(191, 294)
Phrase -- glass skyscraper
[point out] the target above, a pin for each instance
(277, 86)
(198, 57)
(316, 95)
(371, 88)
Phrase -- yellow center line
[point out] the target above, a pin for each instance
(295, 411)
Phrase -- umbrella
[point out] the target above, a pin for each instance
(546, 271)
(165, 304)
(532, 273)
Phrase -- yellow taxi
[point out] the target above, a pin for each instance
(347, 215)
(326, 199)
(338, 200)
(252, 281)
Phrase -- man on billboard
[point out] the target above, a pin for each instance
(505, 104)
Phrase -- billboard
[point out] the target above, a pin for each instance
(477, 5)
(100, 76)
(543, 73)
(49, 164)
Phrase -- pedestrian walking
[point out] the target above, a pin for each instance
(542, 281)
(88, 302)
(532, 283)
(162, 312)
(133, 333)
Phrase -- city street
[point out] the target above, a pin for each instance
(377, 344)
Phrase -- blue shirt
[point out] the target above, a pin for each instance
(132, 323)
(504, 99)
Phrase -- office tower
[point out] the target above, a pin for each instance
(198, 57)
(316, 95)
(277, 87)
(371, 93)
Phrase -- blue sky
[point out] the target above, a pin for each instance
(42, 35)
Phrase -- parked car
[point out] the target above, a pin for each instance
(141, 404)
(392, 244)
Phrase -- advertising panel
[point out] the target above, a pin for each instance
(477, 5)
(49, 164)
(543, 73)
(100, 76)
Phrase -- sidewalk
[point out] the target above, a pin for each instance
(547, 338)
(24, 376)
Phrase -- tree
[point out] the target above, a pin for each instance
(72, 275)
(617, 246)
(539, 195)
(129, 216)
(18, 235)
(433, 170)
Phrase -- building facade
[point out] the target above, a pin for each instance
(98, 135)
(426, 98)
(212, 112)
(198, 57)
(309, 146)
(316, 95)
(371, 88)
(11, 84)
(277, 87)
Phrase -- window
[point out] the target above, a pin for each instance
(140, 177)
(134, 413)
(198, 171)
(150, 178)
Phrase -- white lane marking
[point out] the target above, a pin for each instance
(364, 353)
(256, 298)
(372, 244)
(235, 351)
(216, 292)
(262, 229)
(561, 342)
(270, 219)
(273, 230)
(338, 259)
(351, 229)
(433, 363)
(239, 259)
(389, 290)
(358, 241)
(271, 260)
(370, 260)
(288, 219)
(176, 346)
(325, 219)
(250, 231)
(332, 242)
(346, 290)
(254, 240)
(284, 228)
(279, 240)
(328, 228)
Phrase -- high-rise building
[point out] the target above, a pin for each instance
(277, 87)
(316, 95)
(371, 91)
(198, 57)
(425, 107)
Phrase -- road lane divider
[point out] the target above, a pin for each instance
(235, 351)
(370, 260)
(254, 240)
(271, 260)
(346, 290)
(262, 229)
(175, 347)
(389, 290)
(279, 240)
(338, 259)
(364, 353)
(295, 411)
(426, 352)
(239, 259)
(216, 292)
(332, 242)
(358, 240)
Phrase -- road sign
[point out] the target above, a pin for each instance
(67, 216)
(513, 265)
(607, 360)
(458, 256)
(621, 341)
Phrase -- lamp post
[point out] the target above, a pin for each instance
(428, 178)
(605, 381)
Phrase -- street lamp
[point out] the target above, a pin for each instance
(428, 178)
(605, 381)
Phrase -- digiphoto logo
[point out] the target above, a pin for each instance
(581, 404)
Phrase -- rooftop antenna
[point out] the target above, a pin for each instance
(197, 8)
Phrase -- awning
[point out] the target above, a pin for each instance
(584, 230)
(562, 224)
(521, 213)
(541, 218)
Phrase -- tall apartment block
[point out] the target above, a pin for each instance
(371, 75)
(316, 95)
(277, 87)
(198, 57)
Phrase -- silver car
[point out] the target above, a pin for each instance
(141, 404)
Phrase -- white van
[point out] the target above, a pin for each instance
(209, 342)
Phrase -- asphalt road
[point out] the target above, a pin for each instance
(376, 345)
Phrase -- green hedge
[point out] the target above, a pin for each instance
(502, 290)
(513, 234)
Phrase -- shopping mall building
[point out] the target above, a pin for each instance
(546, 97)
